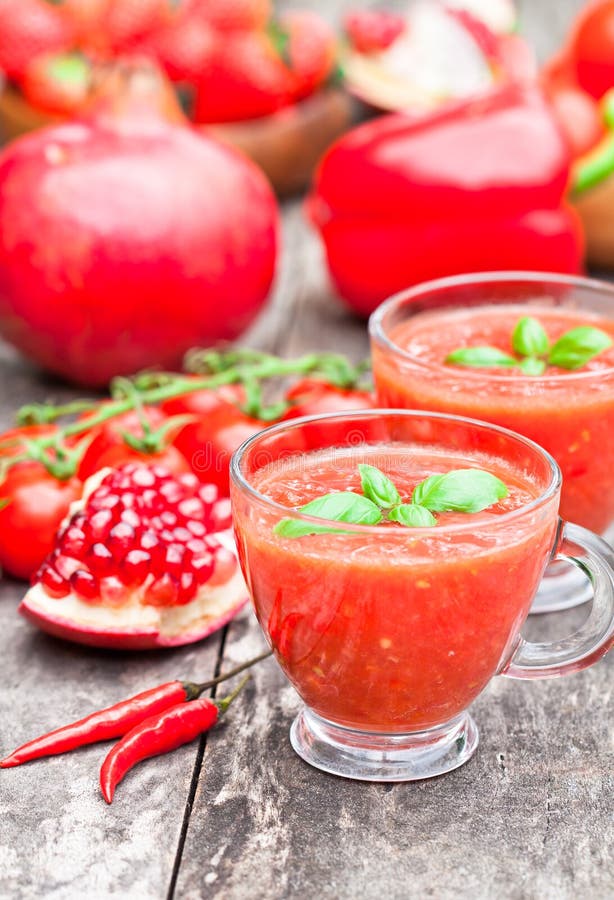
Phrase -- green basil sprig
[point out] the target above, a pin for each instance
(460, 490)
(534, 352)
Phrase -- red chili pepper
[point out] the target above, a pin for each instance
(162, 733)
(108, 723)
(116, 721)
(479, 186)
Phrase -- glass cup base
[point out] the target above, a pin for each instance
(365, 756)
(562, 587)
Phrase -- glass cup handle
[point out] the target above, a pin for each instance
(596, 636)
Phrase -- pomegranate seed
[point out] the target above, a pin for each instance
(196, 528)
(189, 480)
(173, 559)
(187, 587)
(130, 517)
(224, 567)
(135, 567)
(99, 559)
(122, 482)
(161, 473)
(73, 541)
(84, 584)
(112, 591)
(182, 535)
(196, 547)
(98, 525)
(64, 565)
(109, 501)
(162, 592)
(208, 493)
(202, 566)
(150, 498)
(192, 508)
(121, 539)
(168, 518)
(172, 492)
(128, 499)
(221, 515)
(143, 477)
(55, 585)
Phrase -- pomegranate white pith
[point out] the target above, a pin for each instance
(145, 559)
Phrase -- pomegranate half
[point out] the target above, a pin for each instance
(146, 559)
(127, 237)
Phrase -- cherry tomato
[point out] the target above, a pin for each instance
(109, 448)
(37, 502)
(314, 396)
(209, 443)
(592, 48)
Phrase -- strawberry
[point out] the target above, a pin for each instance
(127, 22)
(28, 28)
(373, 30)
(233, 15)
(311, 50)
(256, 73)
(87, 17)
(184, 48)
(247, 79)
(57, 82)
(141, 544)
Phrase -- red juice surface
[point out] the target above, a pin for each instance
(394, 629)
(569, 413)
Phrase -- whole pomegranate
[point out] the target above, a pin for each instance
(126, 237)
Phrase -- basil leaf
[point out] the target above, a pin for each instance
(344, 506)
(461, 490)
(533, 366)
(577, 346)
(480, 357)
(377, 487)
(529, 338)
(412, 515)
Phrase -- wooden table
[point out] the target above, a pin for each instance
(239, 815)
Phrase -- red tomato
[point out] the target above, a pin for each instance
(314, 396)
(108, 448)
(37, 504)
(57, 82)
(592, 48)
(209, 443)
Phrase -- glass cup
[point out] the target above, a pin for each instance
(571, 415)
(389, 633)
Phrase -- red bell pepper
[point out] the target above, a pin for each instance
(479, 186)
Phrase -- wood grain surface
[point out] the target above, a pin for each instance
(239, 815)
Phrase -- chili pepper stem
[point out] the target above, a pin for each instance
(194, 690)
(225, 702)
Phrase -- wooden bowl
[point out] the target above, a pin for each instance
(286, 144)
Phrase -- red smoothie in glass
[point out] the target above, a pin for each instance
(393, 629)
(569, 413)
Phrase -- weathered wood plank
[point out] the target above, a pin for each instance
(530, 816)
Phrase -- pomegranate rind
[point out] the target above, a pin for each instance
(139, 638)
(213, 607)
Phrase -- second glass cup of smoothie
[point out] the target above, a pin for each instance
(569, 412)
